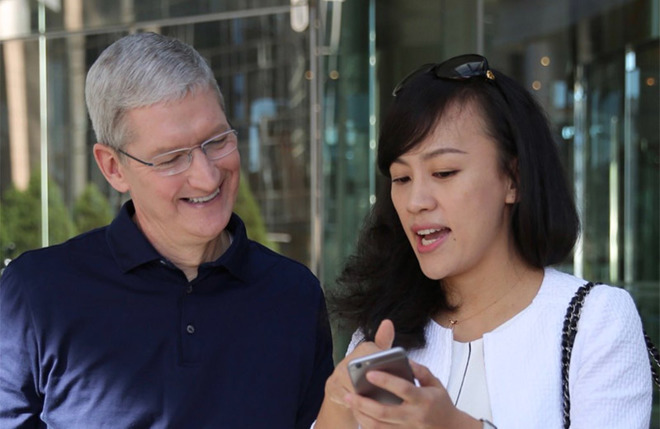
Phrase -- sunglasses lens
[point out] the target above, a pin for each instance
(462, 67)
(458, 68)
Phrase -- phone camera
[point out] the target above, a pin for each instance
(358, 365)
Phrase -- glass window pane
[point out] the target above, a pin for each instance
(20, 150)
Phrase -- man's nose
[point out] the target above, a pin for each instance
(202, 170)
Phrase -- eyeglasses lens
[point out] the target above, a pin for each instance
(217, 149)
(179, 161)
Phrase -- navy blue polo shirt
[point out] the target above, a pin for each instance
(103, 332)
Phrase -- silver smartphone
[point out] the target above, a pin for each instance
(393, 361)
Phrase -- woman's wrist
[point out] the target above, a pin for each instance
(333, 415)
(465, 421)
(488, 424)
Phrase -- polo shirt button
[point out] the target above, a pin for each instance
(189, 289)
(190, 329)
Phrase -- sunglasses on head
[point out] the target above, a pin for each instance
(462, 67)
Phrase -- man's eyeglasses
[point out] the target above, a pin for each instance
(461, 67)
(178, 161)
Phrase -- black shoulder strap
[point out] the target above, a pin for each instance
(568, 338)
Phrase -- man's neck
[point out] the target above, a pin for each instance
(185, 255)
(189, 259)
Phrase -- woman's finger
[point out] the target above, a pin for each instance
(371, 413)
(424, 375)
(402, 388)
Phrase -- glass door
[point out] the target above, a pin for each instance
(617, 166)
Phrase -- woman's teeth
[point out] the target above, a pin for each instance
(426, 232)
(426, 242)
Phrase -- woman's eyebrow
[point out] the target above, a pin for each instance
(433, 154)
(442, 151)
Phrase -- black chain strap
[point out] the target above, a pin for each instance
(654, 357)
(568, 338)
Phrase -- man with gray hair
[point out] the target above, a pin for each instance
(169, 317)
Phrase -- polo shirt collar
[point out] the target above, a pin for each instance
(236, 257)
(128, 244)
(131, 248)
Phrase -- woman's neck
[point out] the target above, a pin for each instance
(480, 303)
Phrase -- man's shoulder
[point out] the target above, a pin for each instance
(271, 271)
(76, 250)
(266, 260)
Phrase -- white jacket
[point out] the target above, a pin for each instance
(610, 379)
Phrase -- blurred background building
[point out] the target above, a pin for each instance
(305, 83)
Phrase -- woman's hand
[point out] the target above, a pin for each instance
(335, 410)
(426, 406)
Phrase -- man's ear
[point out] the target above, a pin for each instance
(108, 161)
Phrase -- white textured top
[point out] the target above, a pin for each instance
(610, 379)
(467, 385)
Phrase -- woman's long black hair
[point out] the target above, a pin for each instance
(383, 279)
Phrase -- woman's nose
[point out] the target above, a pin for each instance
(420, 197)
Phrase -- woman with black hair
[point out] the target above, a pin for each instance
(453, 264)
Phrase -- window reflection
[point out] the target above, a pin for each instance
(258, 60)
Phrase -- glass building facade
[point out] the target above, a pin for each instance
(305, 83)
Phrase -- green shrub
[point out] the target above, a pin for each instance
(5, 247)
(92, 209)
(248, 209)
(21, 217)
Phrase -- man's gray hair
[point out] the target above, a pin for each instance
(138, 71)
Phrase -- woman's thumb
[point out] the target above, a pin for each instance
(384, 335)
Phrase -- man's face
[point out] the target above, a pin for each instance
(192, 207)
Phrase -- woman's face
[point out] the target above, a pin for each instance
(453, 199)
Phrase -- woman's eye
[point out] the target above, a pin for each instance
(445, 174)
(401, 179)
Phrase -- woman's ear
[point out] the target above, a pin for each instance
(108, 161)
(512, 186)
(511, 193)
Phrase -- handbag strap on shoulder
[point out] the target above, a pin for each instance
(569, 331)
(567, 339)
